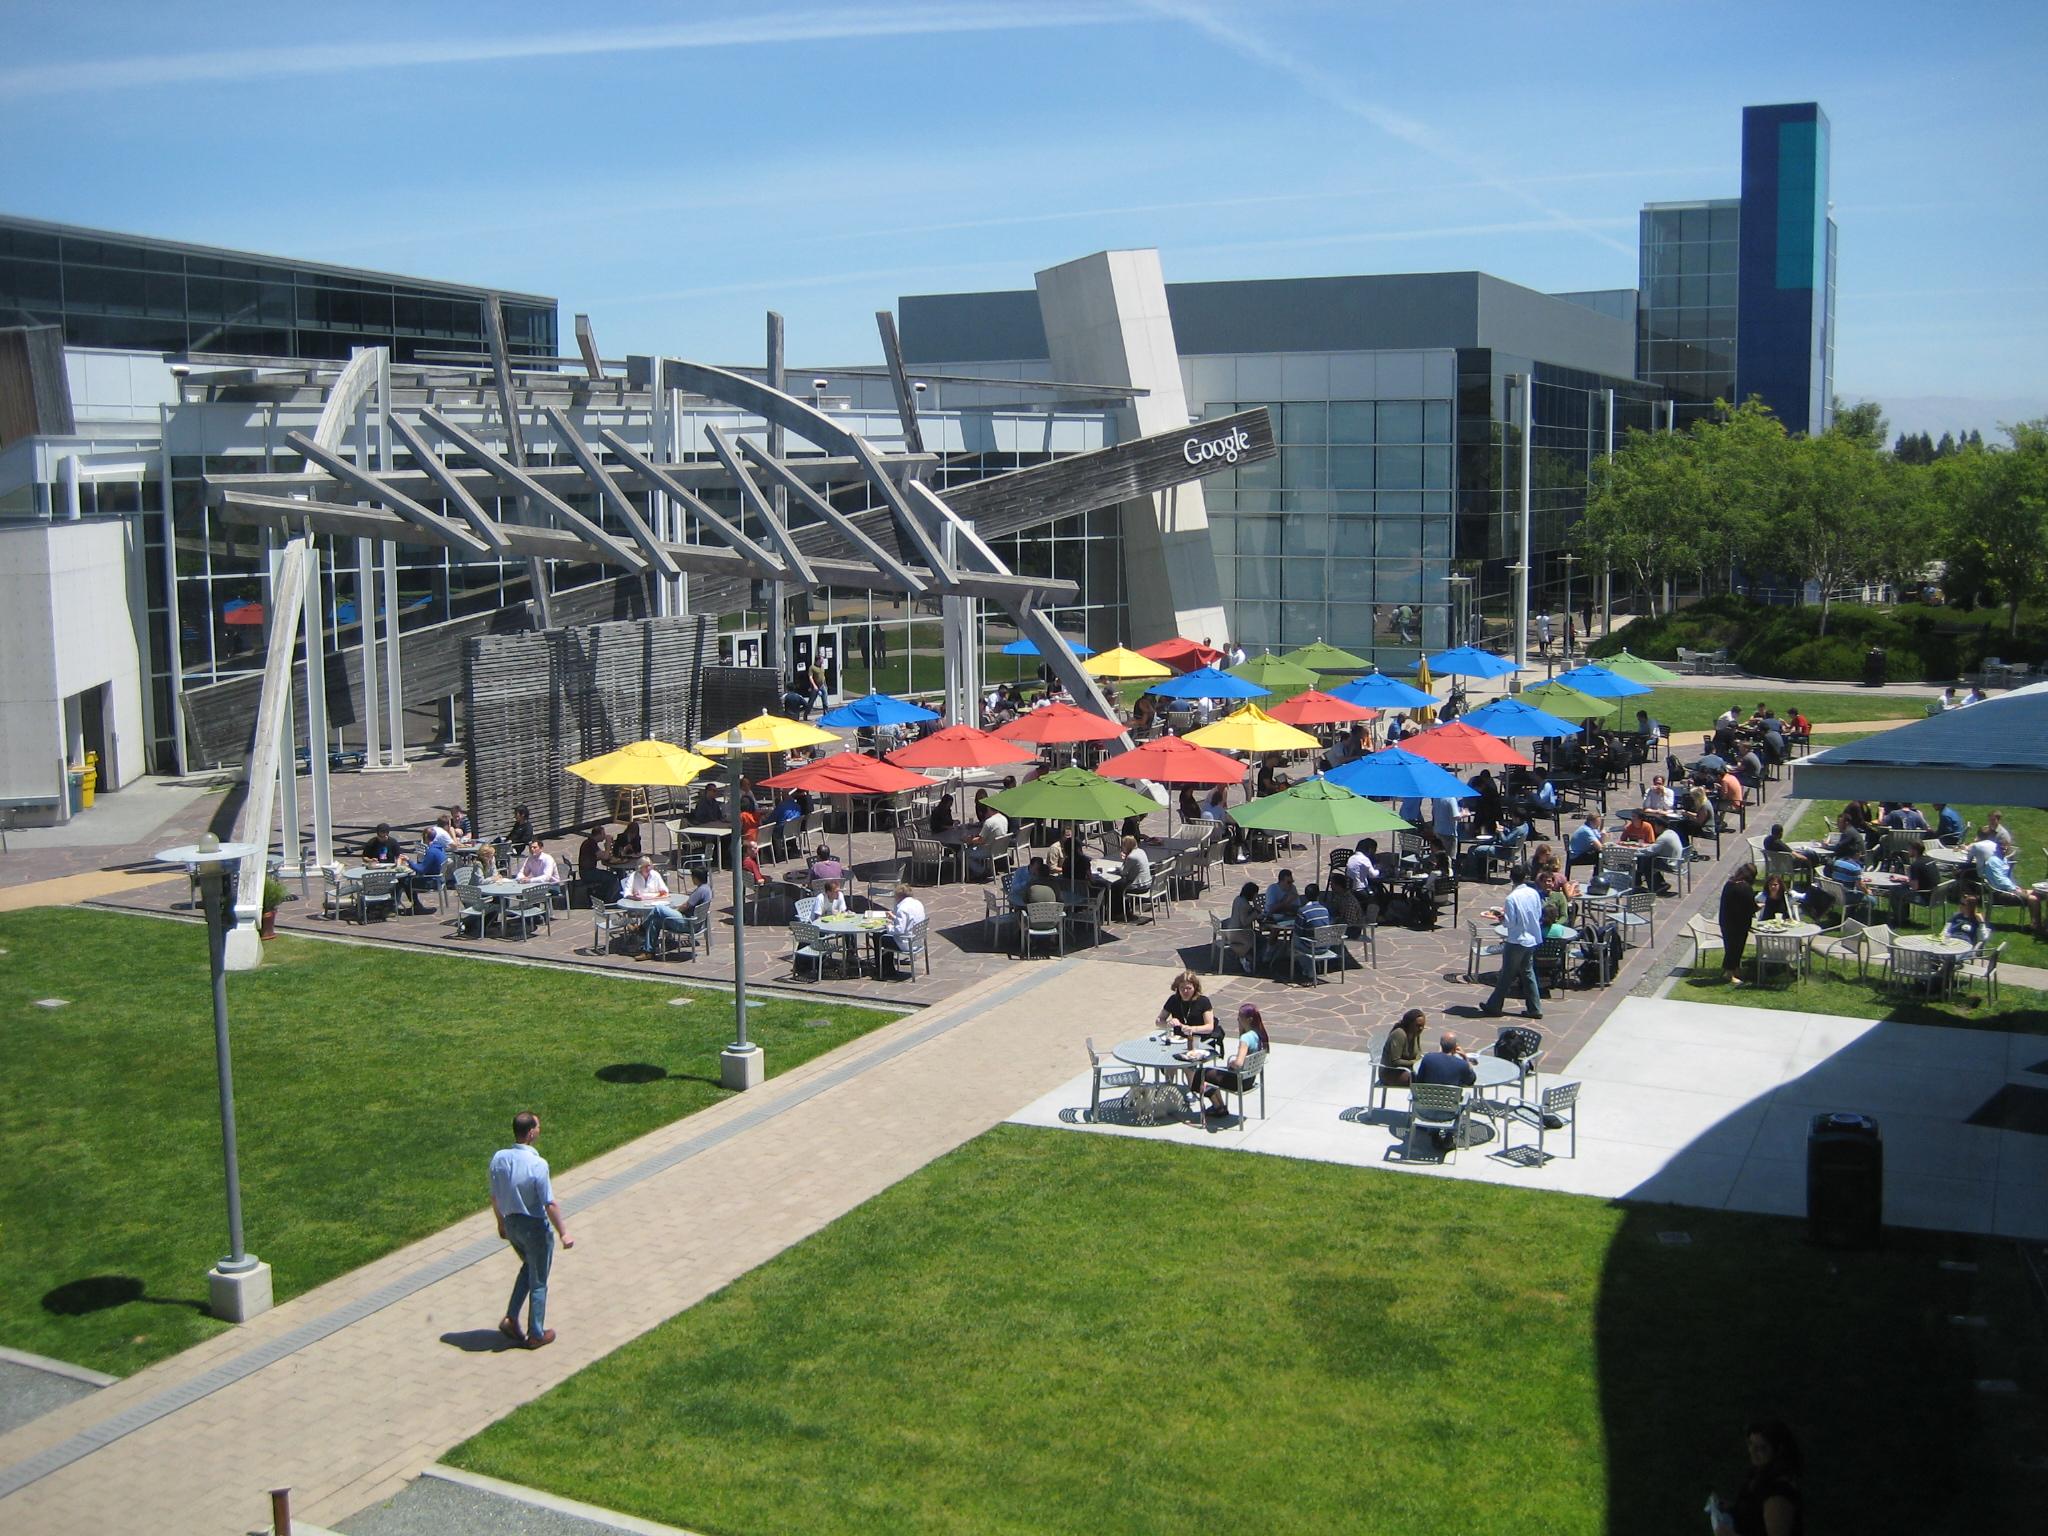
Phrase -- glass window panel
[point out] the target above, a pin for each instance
(1350, 578)
(1436, 421)
(1721, 256)
(1223, 480)
(1258, 624)
(1263, 475)
(1258, 501)
(1354, 501)
(1436, 468)
(1695, 224)
(1301, 623)
(1351, 421)
(1721, 288)
(1400, 421)
(1305, 535)
(1400, 469)
(1351, 469)
(1351, 535)
(1304, 469)
(1399, 581)
(1724, 223)
(1304, 422)
(1692, 294)
(1223, 535)
(1399, 537)
(1436, 538)
(1301, 579)
(1258, 536)
(1399, 501)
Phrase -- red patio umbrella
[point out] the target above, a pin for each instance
(1463, 745)
(1057, 724)
(847, 774)
(1181, 654)
(247, 613)
(1318, 708)
(960, 746)
(1170, 760)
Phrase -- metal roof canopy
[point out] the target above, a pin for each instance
(1993, 753)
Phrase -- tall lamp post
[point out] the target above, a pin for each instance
(238, 1286)
(1520, 571)
(739, 1064)
(1569, 560)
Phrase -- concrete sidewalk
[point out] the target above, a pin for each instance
(345, 1393)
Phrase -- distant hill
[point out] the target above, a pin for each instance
(1936, 414)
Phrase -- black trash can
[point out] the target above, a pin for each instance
(1844, 1180)
(1874, 667)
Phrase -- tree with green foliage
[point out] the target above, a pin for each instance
(1861, 423)
(1998, 505)
(1834, 505)
(1647, 506)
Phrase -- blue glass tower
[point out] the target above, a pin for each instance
(1786, 266)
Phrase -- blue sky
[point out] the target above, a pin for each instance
(675, 169)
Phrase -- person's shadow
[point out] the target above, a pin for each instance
(479, 1341)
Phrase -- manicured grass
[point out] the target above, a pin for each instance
(1049, 1331)
(1692, 711)
(371, 1088)
(2030, 831)
(2017, 1009)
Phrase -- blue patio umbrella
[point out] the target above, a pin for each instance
(1030, 648)
(876, 709)
(1396, 775)
(1376, 690)
(1509, 718)
(1598, 682)
(1467, 661)
(1208, 683)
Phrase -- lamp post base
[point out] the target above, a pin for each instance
(235, 1298)
(741, 1067)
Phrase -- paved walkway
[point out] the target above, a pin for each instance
(346, 1392)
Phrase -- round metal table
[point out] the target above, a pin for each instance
(1151, 1103)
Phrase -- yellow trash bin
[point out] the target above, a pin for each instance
(90, 781)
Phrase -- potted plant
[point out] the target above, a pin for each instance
(274, 894)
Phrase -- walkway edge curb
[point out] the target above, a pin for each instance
(63, 1368)
(519, 1493)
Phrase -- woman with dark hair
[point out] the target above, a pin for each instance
(1251, 1041)
(1769, 1503)
(1777, 900)
(1244, 926)
(1217, 809)
(1738, 911)
(1189, 807)
(1486, 808)
(1403, 1049)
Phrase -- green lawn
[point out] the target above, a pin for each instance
(2029, 829)
(371, 1088)
(1692, 711)
(2018, 1009)
(1048, 1331)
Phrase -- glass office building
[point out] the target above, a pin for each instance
(145, 295)
(1689, 288)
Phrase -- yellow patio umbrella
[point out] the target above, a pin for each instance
(1426, 716)
(1251, 729)
(1124, 665)
(643, 765)
(774, 733)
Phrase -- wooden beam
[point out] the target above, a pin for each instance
(519, 482)
(643, 535)
(657, 478)
(845, 526)
(454, 536)
(450, 484)
(778, 532)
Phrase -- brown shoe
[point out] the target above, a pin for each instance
(509, 1328)
(542, 1339)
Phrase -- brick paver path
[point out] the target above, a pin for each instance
(346, 1392)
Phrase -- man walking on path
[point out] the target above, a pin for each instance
(1522, 918)
(523, 1200)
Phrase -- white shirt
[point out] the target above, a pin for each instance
(997, 825)
(443, 836)
(831, 903)
(1137, 870)
(519, 1182)
(646, 885)
(1660, 798)
(538, 866)
(908, 914)
(1361, 869)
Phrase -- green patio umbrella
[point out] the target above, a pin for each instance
(1564, 701)
(1321, 809)
(1637, 670)
(1324, 657)
(1275, 674)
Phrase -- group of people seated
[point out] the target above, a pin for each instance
(432, 862)
(1188, 1015)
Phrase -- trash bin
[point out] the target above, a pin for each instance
(92, 779)
(1844, 1180)
(1874, 667)
(75, 778)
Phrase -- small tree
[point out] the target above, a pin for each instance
(1999, 501)
(1834, 502)
(1646, 505)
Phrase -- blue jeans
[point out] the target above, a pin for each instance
(1517, 975)
(534, 1241)
(659, 918)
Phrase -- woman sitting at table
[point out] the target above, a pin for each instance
(1189, 1013)
(1251, 1039)
(1217, 809)
(1695, 816)
(1144, 715)
(831, 900)
(1244, 926)
(942, 815)
(1403, 1049)
(1188, 807)
(1486, 805)
(1968, 924)
(1776, 901)
(1270, 780)
(626, 846)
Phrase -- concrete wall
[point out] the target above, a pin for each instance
(67, 625)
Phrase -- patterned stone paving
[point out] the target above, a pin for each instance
(1415, 968)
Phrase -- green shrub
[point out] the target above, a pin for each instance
(1921, 643)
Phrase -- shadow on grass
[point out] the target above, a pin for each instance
(99, 1293)
(635, 1073)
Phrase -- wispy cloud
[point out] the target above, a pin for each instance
(1262, 50)
(800, 26)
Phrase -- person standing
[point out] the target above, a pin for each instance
(1738, 911)
(523, 1200)
(1522, 917)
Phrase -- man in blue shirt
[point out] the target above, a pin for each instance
(1522, 918)
(1948, 824)
(1449, 1064)
(523, 1200)
(1310, 915)
(1584, 844)
(424, 870)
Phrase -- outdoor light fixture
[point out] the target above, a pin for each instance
(238, 1287)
